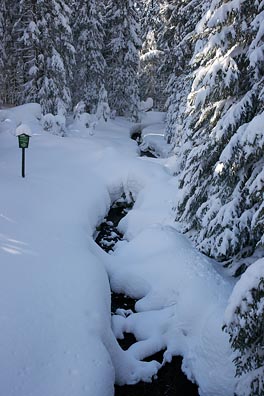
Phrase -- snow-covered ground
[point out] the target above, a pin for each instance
(153, 134)
(56, 331)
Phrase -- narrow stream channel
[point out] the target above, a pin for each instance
(170, 380)
(136, 135)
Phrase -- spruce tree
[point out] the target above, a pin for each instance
(122, 57)
(27, 43)
(2, 51)
(244, 322)
(220, 160)
(89, 38)
(152, 83)
(150, 11)
(177, 39)
(9, 68)
(47, 53)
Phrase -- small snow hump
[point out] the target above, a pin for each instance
(23, 129)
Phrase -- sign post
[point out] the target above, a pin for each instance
(23, 133)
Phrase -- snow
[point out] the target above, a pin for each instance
(23, 129)
(54, 123)
(219, 168)
(152, 130)
(221, 13)
(153, 139)
(56, 334)
(146, 105)
(29, 115)
(176, 312)
(49, 280)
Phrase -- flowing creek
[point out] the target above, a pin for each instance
(170, 380)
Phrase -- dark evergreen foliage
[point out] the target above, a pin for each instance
(245, 329)
(219, 155)
(122, 57)
(151, 79)
(46, 54)
(89, 38)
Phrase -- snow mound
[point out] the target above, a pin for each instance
(29, 114)
(182, 300)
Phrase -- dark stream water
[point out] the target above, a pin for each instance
(170, 380)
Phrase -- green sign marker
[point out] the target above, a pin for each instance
(23, 140)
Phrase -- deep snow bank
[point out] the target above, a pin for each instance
(56, 336)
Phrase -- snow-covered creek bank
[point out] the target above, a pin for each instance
(58, 337)
(170, 380)
(149, 135)
(136, 135)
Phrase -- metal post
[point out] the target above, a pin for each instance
(23, 162)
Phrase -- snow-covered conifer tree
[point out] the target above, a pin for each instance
(177, 38)
(27, 37)
(2, 52)
(9, 68)
(103, 109)
(89, 37)
(152, 83)
(221, 161)
(150, 59)
(47, 53)
(122, 57)
(2, 25)
(151, 18)
(244, 322)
